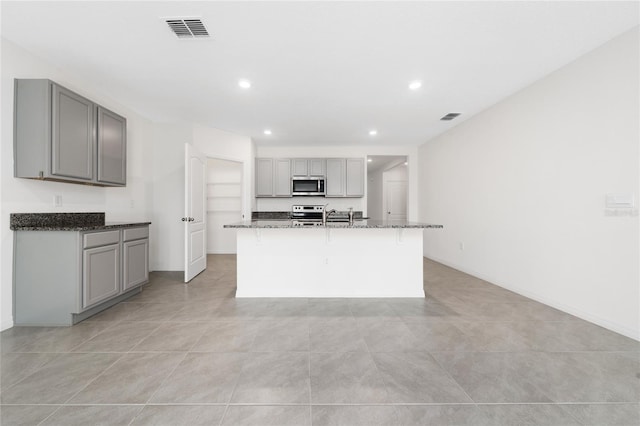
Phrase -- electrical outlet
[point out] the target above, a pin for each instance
(461, 245)
(57, 201)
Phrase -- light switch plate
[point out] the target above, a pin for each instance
(619, 201)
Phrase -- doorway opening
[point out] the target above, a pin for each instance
(224, 204)
(387, 177)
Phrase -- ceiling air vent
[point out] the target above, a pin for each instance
(188, 27)
(450, 116)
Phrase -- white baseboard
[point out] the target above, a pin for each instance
(572, 310)
(6, 324)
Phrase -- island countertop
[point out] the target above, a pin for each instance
(358, 224)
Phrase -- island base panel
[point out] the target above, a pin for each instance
(325, 262)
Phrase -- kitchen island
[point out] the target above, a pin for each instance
(278, 258)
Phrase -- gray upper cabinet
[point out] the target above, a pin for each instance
(345, 177)
(312, 167)
(273, 177)
(317, 167)
(72, 139)
(335, 182)
(264, 177)
(299, 167)
(62, 136)
(112, 147)
(282, 177)
(355, 177)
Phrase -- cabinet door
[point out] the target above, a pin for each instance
(135, 263)
(316, 167)
(334, 183)
(264, 177)
(282, 177)
(299, 167)
(72, 139)
(112, 147)
(355, 177)
(100, 274)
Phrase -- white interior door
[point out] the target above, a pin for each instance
(195, 220)
(396, 200)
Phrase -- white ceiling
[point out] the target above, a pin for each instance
(383, 162)
(323, 73)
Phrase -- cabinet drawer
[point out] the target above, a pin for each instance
(96, 239)
(136, 233)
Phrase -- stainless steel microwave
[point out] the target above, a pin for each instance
(313, 186)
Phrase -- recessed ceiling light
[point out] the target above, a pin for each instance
(267, 132)
(245, 84)
(373, 132)
(406, 163)
(415, 85)
(369, 160)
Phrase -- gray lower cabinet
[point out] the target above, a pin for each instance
(135, 265)
(62, 136)
(100, 274)
(63, 277)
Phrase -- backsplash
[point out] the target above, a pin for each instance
(284, 204)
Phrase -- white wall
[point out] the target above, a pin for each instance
(167, 254)
(168, 162)
(352, 151)
(523, 186)
(21, 195)
(374, 195)
(155, 172)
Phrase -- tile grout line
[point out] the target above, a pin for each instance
(123, 354)
(50, 415)
(309, 366)
(328, 404)
(34, 372)
(95, 378)
(386, 389)
(452, 378)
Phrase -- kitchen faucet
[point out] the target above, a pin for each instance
(325, 213)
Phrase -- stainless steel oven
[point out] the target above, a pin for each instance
(306, 215)
(307, 186)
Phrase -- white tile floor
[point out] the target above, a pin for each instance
(470, 353)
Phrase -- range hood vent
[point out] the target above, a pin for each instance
(187, 27)
(450, 116)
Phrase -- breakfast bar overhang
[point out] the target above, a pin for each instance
(366, 259)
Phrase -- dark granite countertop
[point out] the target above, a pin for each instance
(359, 224)
(65, 222)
